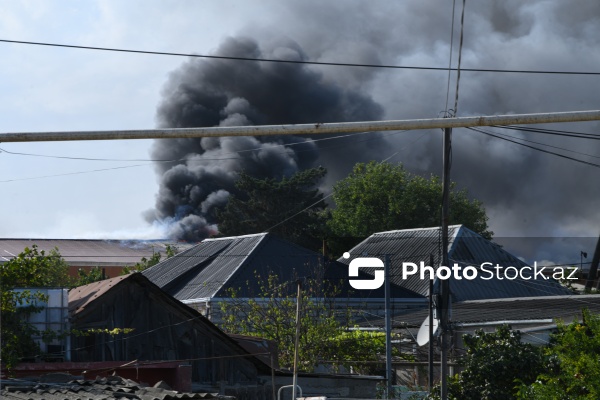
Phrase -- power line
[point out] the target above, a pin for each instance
(182, 159)
(386, 66)
(536, 148)
(189, 160)
(74, 173)
(548, 145)
(332, 193)
(546, 131)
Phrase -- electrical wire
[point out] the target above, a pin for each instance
(536, 148)
(182, 159)
(496, 70)
(74, 173)
(205, 159)
(580, 135)
(332, 193)
(547, 145)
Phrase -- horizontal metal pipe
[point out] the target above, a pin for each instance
(304, 129)
(507, 322)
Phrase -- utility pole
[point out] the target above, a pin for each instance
(445, 283)
(594, 267)
(297, 339)
(388, 327)
(430, 344)
(304, 129)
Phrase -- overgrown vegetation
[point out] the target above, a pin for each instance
(498, 365)
(35, 268)
(32, 268)
(572, 366)
(493, 366)
(324, 335)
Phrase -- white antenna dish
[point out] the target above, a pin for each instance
(423, 335)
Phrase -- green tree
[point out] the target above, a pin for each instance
(324, 334)
(84, 277)
(268, 203)
(32, 268)
(494, 365)
(573, 363)
(378, 197)
(154, 259)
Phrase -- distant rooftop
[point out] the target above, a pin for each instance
(92, 252)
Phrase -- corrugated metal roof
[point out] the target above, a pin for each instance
(466, 248)
(202, 270)
(409, 245)
(212, 267)
(563, 308)
(91, 252)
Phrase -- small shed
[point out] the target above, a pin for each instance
(163, 329)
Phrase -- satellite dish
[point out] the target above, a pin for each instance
(423, 335)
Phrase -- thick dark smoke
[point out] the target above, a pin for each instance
(526, 193)
(233, 93)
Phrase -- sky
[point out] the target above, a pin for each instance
(526, 193)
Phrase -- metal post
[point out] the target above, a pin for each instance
(430, 375)
(273, 374)
(388, 328)
(298, 301)
(593, 267)
(445, 283)
(304, 129)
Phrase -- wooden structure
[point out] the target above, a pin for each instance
(163, 329)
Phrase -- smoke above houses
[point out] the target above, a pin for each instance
(232, 93)
(526, 192)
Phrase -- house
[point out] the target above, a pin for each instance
(206, 274)
(170, 342)
(164, 329)
(466, 248)
(535, 317)
(110, 255)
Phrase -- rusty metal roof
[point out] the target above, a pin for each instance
(81, 296)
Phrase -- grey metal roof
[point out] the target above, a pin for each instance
(465, 248)
(564, 308)
(80, 252)
(215, 265)
(203, 270)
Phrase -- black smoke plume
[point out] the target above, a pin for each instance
(234, 93)
(526, 192)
